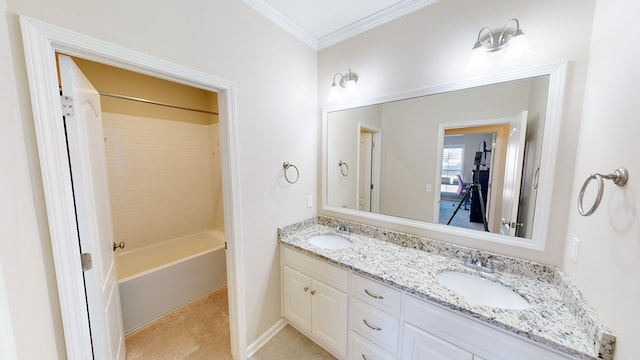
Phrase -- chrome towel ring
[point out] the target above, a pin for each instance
(344, 168)
(619, 177)
(285, 167)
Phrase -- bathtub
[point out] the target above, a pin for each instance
(158, 279)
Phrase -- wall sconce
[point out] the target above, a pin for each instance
(346, 84)
(513, 40)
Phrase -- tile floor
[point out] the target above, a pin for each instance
(201, 331)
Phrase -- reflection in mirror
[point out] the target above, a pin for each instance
(476, 150)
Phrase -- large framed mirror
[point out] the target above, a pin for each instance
(474, 158)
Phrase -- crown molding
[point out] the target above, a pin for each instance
(381, 17)
(376, 19)
(284, 22)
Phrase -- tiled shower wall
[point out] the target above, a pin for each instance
(164, 178)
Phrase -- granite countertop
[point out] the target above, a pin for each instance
(557, 316)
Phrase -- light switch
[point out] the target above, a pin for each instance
(575, 249)
(309, 201)
(428, 188)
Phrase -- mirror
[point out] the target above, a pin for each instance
(474, 158)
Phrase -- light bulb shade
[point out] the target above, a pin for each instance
(335, 92)
(478, 60)
(350, 87)
(518, 48)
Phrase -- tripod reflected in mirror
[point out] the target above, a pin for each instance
(475, 189)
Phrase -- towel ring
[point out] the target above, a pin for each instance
(619, 177)
(344, 170)
(286, 167)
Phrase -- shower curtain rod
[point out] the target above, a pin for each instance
(124, 97)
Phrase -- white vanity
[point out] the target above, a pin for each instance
(378, 300)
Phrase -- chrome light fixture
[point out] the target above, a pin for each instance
(346, 84)
(513, 40)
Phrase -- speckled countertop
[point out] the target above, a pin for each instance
(558, 315)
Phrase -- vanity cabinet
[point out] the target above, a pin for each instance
(315, 300)
(330, 304)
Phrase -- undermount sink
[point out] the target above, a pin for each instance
(328, 241)
(482, 291)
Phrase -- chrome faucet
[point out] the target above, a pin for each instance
(489, 265)
(343, 229)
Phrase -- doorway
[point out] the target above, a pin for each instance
(368, 171)
(160, 144)
(41, 42)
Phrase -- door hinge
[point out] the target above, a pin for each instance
(371, 186)
(225, 245)
(85, 259)
(67, 105)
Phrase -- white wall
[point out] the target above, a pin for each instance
(431, 46)
(161, 178)
(275, 96)
(608, 267)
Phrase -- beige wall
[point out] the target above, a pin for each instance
(431, 46)
(28, 282)
(109, 79)
(274, 76)
(608, 267)
(409, 146)
(343, 132)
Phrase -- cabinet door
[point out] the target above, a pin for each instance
(296, 297)
(329, 316)
(420, 345)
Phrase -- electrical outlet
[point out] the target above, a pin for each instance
(575, 249)
(428, 188)
(309, 201)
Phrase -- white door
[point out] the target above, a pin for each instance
(93, 211)
(513, 174)
(366, 147)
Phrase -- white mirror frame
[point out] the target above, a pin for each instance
(555, 99)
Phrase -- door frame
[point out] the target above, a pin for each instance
(41, 42)
(496, 126)
(376, 160)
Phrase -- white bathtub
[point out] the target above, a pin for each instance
(158, 279)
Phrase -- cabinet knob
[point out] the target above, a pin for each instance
(306, 288)
(313, 292)
(364, 357)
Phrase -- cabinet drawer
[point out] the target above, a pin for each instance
(318, 269)
(376, 294)
(481, 339)
(375, 325)
(420, 345)
(362, 349)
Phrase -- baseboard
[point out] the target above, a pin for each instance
(264, 338)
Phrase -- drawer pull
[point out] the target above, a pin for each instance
(379, 297)
(373, 327)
